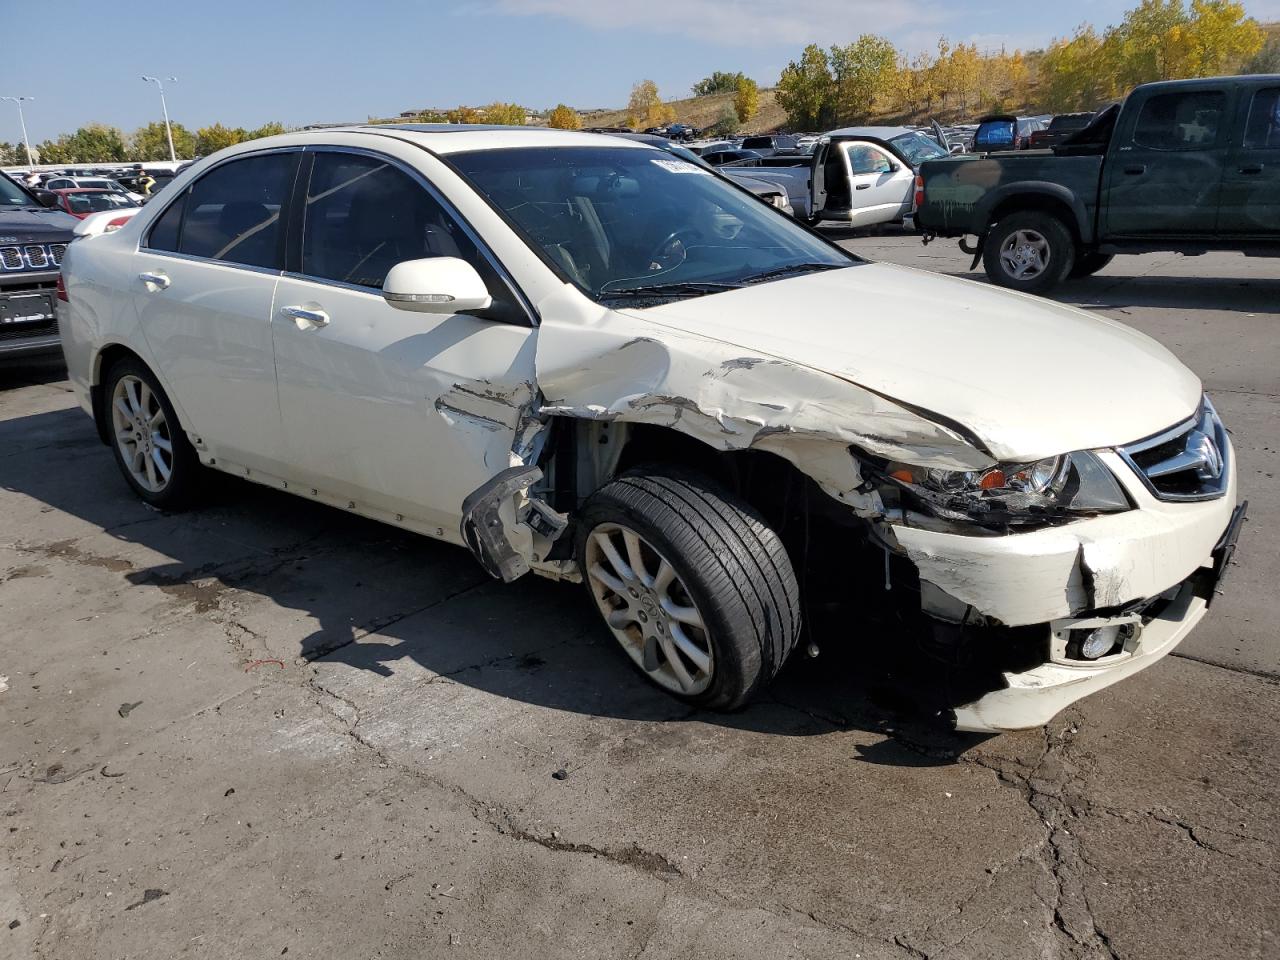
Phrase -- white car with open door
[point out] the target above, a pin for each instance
(582, 357)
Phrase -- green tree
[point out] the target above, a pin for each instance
(511, 114)
(645, 108)
(217, 137)
(861, 72)
(718, 82)
(270, 129)
(1072, 74)
(564, 118)
(1266, 60)
(746, 99)
(9, 154)
(727, 124)
(805, 89)
(1219, 38)
(150, 143)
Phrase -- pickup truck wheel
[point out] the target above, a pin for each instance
(1088, 264)
(1030, 251)
(150, 445)
(695, 587)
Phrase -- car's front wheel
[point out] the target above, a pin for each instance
(695, 587)
(1030, 251)
(150, 446)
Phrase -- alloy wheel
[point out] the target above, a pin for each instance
(649, 609)
(142, 433)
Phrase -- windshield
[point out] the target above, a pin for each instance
(619, 220)
(917, 148)
(12, 195)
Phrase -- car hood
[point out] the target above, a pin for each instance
(1026, 377)
(754, 184)
(38, 225)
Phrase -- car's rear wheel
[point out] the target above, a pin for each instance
(1087, 264)
(695, 587)
(149, 444)
(1030, 251)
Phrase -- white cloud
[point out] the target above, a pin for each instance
(740, 23)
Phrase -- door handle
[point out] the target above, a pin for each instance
(306, 319)
(1251, 168)
(1136, 169)
(158, 280)
(862, 186)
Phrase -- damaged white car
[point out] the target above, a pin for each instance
(588, 359)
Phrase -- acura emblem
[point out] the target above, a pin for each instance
(1204, 449)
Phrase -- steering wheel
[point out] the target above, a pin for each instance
(672, 251)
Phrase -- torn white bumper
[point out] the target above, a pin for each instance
(1034, 697)
(1060, 575)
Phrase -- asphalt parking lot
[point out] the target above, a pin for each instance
(268, 728)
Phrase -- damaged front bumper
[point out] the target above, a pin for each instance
(1150, 572)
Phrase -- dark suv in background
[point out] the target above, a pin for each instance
(33, 239)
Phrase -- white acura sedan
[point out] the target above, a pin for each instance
(586, 358)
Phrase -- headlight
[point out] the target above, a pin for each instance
(1062, 487)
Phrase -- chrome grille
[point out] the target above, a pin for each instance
(32, 256)
(1188, 462)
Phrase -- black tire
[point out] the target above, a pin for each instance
(183, 485)
(1060, 251)
(1087, 264)
(732, 564)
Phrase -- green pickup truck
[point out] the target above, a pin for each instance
(1187, 166)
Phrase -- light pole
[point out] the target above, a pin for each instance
(163, 106)
(23, 123)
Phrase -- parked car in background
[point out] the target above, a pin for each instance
(582, 357)
(1003, 132)
(1059, 129)
(91, 183)
(33, 238)
(770, 193)
(718, 158)
(1186, 166)
(861, 176)
(81, 201)
(768, 145)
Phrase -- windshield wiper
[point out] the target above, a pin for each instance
(793, 268)
(667, 291)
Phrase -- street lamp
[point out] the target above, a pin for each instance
(22, 121)
(163, 106)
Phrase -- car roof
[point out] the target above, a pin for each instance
(80, 190)
(879, 133)
(445, 138)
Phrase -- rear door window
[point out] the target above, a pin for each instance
(1262, 131)
(234, 211)
(1180, 121)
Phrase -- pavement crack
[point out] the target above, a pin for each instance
(1248, 671)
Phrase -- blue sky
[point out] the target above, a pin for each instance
(244, 62)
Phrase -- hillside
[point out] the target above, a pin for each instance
(702, 112)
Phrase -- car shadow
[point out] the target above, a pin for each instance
(380, 600)
(30, 371)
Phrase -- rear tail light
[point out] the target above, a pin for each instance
(115, 224)
(919, 199)
(62, 290)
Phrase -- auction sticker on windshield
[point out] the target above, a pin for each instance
(679, 166)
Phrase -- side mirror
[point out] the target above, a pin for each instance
(46, 198)
(435, 285)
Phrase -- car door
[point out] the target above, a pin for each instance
(206, 274)
(396, 414)
(1163, 175)
(881, 185)
(1251, 184)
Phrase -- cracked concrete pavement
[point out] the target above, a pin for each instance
(267, 728)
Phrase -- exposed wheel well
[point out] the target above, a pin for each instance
(107, 357)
